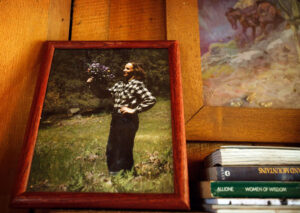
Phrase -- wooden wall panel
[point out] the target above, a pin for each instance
(245, 124)
(59, 20)
(23, 28)
(181, 26)
(137, 20)
(90, 20)
(118, 20)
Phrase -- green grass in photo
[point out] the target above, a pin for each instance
(70, 155)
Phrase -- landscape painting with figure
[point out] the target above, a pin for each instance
(250, 53)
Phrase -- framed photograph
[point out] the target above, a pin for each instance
(106, 129)
(240, 69)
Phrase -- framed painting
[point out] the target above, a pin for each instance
(240, 72)
(106, 129)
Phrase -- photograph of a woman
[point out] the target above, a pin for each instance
(130, 98)
(106, 123)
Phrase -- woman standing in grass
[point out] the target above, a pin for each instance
(130, 98)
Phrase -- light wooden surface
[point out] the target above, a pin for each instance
(90, 20)
(59, 20)
(245, 124)
(182, 25)
(24, 26)
(118, 20)
(137, 20)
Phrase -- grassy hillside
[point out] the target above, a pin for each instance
(70, 155)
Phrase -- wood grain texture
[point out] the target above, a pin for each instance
(137, 20)
(59, 20)
(178, 127)
(33, 121)
(245, 124)
(182, 25)
(118, 20)
(90, 20)
(23, 27)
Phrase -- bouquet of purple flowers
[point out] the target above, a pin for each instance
(100, 72)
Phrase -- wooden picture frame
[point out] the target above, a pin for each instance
(178, 199)
(208, 123)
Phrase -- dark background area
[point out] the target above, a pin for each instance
(67, 88)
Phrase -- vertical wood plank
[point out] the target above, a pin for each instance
(181, 26)
(23, 28)
(118, 20)
(90, 20)
(137, 20)
(59, 20)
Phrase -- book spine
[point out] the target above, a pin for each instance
(257, 173)
(255, 189)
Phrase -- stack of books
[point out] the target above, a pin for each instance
(251, 179)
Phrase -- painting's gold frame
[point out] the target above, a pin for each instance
(206, 123)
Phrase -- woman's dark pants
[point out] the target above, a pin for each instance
(119, 150)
